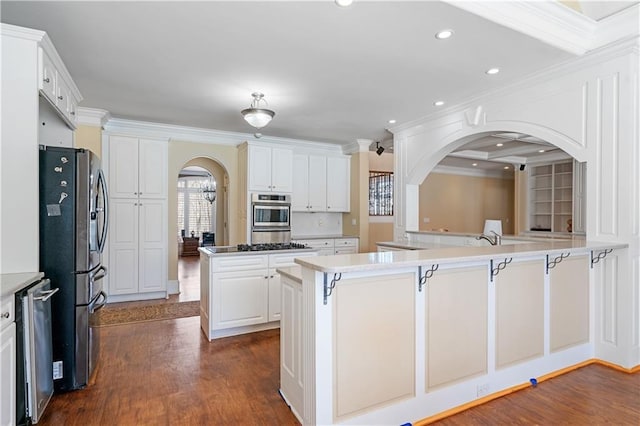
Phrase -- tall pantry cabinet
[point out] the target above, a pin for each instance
(138, 218)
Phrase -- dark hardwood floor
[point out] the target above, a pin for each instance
(167, 373)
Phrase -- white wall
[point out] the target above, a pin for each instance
(588, 108)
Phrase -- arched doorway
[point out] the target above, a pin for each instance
(201, 218)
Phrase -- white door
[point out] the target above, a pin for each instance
(239, 298)
(317, 183)
(338, 184)
(300, 195)
(281, 170)
(259, 169)
(153, 169)
(152, 245)
(123, 167)
(123, 243)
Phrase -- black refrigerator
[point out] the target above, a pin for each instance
(73, 232)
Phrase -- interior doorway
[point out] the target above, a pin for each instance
(196, 225)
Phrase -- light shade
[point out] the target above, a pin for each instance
(256, 116)
(492, 225)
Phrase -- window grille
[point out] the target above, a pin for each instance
(380, 193)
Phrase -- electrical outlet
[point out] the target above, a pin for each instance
(426, 220)
(353, 222)
(482, 390)
(320, 222)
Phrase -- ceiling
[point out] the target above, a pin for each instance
(331, 74)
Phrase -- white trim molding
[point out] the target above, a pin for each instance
(93, 117)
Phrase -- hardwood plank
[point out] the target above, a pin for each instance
(167, 373)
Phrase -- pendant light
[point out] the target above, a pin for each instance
(256, 116)
(209, 191)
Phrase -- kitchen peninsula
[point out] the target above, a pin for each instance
(395, 337)
(240, 288)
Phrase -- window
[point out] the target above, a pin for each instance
(195, 214)
(380, 193)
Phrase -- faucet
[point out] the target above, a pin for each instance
(495, 241)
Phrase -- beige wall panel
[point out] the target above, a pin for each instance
(378, 232)
(359, 201)
(89, 137)
(380, 163)
(569, 316)
(462, 203)
(376, 366)
(519, 312)
(456, 325)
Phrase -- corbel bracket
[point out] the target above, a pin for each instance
(597, 258)
(499, 267)
(552, 263)
(428, 274)
(328, 288)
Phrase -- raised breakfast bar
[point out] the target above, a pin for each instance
(401, 336)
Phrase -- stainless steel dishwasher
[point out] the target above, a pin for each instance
(38, 355)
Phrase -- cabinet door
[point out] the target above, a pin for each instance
(239, 298)
(300, 195)
(123, 167)
(152, 246)
(275, 294)
(8, 368)
(281, 170)
(259, 169)
(47, 77)
(123, 247)
(317, 183)
(152, 169)
(338, 184)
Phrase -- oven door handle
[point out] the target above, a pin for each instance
(46, 295)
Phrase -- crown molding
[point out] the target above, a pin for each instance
(21, 32)
(92, 116)
(556, 24)
(212, 136)
(462, 171)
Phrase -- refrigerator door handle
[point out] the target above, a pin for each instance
(102, 304)
(100, 273)
(105, 198)
(46, 295)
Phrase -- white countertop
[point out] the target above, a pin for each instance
(215, 251)
(413, 258)
(525, 237)
(414, 245)
(12, 283)
(292, 272)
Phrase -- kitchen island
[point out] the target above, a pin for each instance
(396, 337)
(240, 290)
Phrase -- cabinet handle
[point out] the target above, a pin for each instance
(266, 277)
(135, 193)
(72, 113)
(328, 207)
(46, 80)
(139, 193)
(6, 315)
(271, 276)
(60, 97)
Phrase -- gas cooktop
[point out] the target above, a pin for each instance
(270, 246)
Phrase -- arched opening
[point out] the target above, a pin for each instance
(527, 183)
(201, 219)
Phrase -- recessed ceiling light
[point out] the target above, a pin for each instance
(506, 167)
(441, 35)
(344, 3)
(392, 121)
(492, 71)
(438, 103)
(474, 164)
(541, 150)
(499, 144)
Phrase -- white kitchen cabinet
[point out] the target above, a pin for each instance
(137, 167)
(270, 169)
(243, 292)
(310, 183)
(137, 248)
(56, 86)
(7, 361)
(338, 184)
(331, 246)
(291, 359)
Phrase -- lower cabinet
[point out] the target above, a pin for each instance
(330, 246)
(291, 378)
(137, 249)
(242, 292)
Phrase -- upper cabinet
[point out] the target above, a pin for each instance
(322, 183)
(270, 169)
(137, 167)
(310, 183)
(338, 184)
(56, 85)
